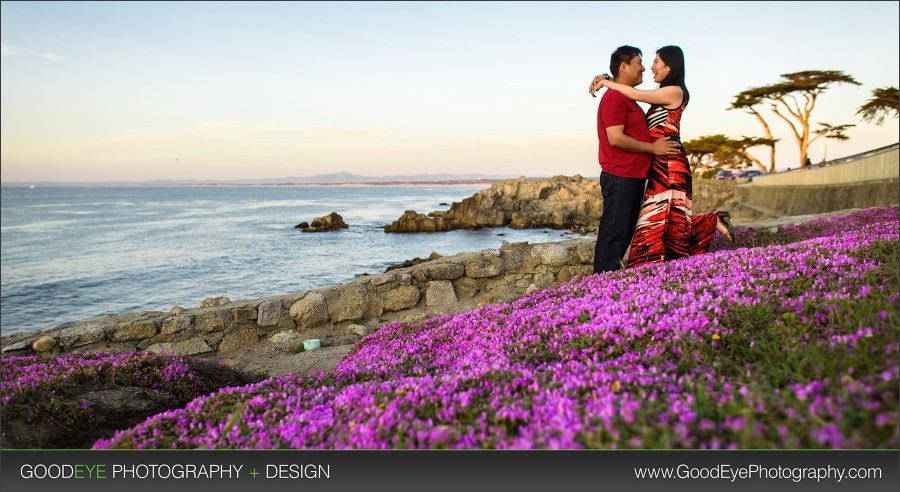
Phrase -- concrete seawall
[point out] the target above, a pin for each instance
(870, 179)
(864, 180)
(876, 165)
(776, 201)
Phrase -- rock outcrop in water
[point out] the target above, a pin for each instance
(324, 224)
(560, 202)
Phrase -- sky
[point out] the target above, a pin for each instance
(108, 91)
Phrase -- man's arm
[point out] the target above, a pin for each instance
(619, 140)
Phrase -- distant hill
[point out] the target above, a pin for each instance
(333, 178)
(344, 177)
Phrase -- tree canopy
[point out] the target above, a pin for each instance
(716, 151)
(786, 95)
(884, 103)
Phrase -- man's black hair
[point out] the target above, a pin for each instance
(623, 54)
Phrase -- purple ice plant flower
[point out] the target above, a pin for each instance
(792, 343)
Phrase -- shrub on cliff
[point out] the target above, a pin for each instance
(72, 400)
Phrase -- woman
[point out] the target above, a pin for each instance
(666, 228)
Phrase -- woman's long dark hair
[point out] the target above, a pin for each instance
(674, 58)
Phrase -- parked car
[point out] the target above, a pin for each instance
(729, 174)
(750, 174)
(725, 174)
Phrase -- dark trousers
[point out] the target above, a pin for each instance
(621, 205)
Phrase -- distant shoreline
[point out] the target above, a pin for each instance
(484, 182)
(388, 183)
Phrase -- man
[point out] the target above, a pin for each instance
(624, 158)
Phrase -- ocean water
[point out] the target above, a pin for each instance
(75, 253)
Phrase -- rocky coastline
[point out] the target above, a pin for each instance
(264, 334)
(338, 316)
(560, 202)
(341, 315)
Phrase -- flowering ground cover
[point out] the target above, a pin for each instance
(74, 399)
(785, 340)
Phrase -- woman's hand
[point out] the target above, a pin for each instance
(597, 84)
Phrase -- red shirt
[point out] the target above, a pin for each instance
(616, 110)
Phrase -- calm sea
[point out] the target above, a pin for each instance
(74, 253)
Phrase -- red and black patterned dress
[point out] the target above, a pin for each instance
(666, 228)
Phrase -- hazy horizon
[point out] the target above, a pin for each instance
(334, 177)
(142, 91)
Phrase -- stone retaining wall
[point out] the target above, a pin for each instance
(335, 315)
(710, 195)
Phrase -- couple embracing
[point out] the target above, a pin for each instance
(645, 178)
